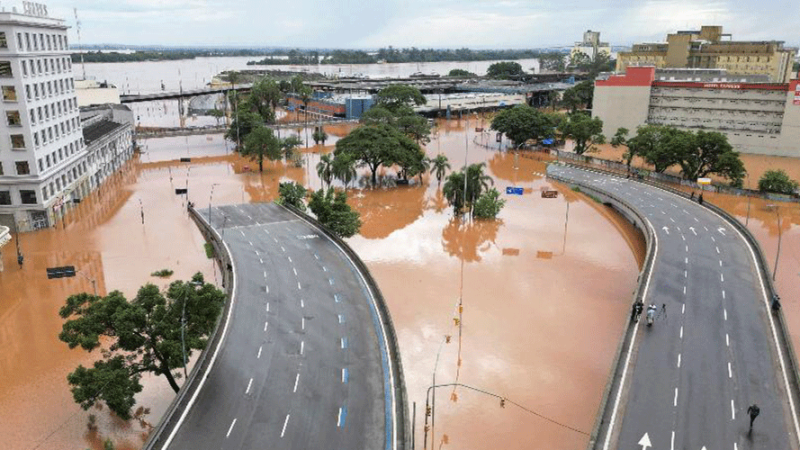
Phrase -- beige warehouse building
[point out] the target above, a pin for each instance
(710, 48)
(757, 117)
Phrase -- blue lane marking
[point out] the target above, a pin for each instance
(345, 375)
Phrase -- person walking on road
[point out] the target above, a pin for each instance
(691, 197)
(753, 411)
(637, 310)
(663, 310)
(700, 198)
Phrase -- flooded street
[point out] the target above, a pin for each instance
(544, 290)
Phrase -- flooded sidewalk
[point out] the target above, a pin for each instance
(544, 291)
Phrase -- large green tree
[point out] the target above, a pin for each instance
(265, 96)
(139, 336)
(374, 146)
(397, 96)
(585, 131)
(489, 204)
(777, 181)
(505, 70)
(579, 96)
(477, 183)
(332, 210)
(292, 194)
(242, 124)
(262, 143)
(711, 153)
(522, 123)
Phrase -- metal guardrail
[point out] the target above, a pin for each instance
(613, 383)
(763, 268)
(401, 405)
(171, 415)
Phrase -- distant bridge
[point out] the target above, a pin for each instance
(181, 94)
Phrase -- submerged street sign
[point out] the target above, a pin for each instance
(511, 190)
(61, 272)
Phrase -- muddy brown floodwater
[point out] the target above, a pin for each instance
(544, 291)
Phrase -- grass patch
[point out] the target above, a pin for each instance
(209, 250)
(576, 189)
(163, 273)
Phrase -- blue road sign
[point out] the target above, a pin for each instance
(511, 190)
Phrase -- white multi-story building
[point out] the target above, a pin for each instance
(43, 163)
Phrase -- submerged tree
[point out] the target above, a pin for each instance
(292, 194)
(332, 210)
(138, 336)
(262, 143)
(439, 166)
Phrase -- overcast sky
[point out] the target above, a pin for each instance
(421, 23)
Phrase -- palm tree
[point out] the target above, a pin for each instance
(453, 190)
(325, 169)
(477, 182)
(344, 169)
(439, 166)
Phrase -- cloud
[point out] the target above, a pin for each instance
(421, 23)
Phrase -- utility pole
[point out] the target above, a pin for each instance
(20, 258)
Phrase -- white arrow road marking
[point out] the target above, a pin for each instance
(721, 230)
(666, 230)
(645, 442)
(695, 232)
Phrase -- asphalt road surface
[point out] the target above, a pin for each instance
(302, 365)
(711, 352)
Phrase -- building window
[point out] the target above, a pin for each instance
(5, 197)
(1, 168)
(17, 142)
(9, 94)
(22, 168)
(3, 41)
(28, 41)
(41, 165)
(27, 197)
(13, 119)
(5, 69)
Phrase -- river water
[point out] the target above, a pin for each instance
(545, 291)
(147, 77)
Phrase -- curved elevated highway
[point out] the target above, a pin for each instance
(303, 363)
(686, 383)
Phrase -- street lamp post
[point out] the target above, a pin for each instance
(747, 220)
(210, 197)
(94, 282)
(20, 258)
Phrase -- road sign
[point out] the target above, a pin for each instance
(61, 272)
(179, 191)
(186, 159)
(511, 190)
(549, 194)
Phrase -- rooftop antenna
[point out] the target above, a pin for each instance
(78, 27)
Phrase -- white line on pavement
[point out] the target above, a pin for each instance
(681, 331)
(673, 220)
(684, 291)
(712, 239)
(302, 303)
(295, 271)
(705, 227)
(339, 419)
(302, 346)
(683, 308)
(298, 285)
(679, 359)
(290, 258)
(344, 342)
(265, 274)
(261, 260)
(266, 324)
(283, 431)
(720, 263)
(341, 318)
(721, 278)
(717, 249)
(687, 248)
(259, 352)
(296, 380)
(686, 260)
(302, 323)
(316, 256)
(672, 444)
(283, 249)
(685, 274)
(231, 428)
(695, 219)
(267, 288)
(725, 313)
(730, 372)
(683, 237)
(733, 411)
(249, 384)
(344, 375)
(675, 401)
(324, 269)
(267, 306)
(723, 293)
(727, 340)
(330, 280)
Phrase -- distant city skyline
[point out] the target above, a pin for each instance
(420, 23)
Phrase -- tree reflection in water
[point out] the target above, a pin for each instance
(467, 240)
